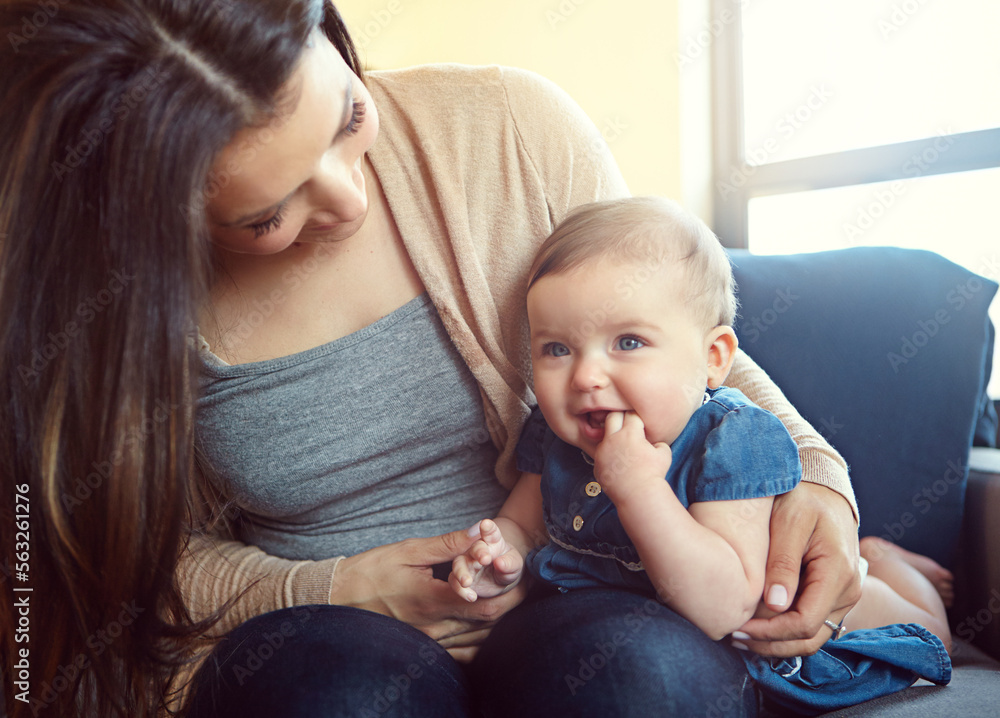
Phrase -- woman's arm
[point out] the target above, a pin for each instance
(706, 562)
(215, 569)
(395, 580)
(821, 464)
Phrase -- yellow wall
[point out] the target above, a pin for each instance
(618, 60)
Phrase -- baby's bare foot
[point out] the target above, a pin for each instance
(875, 548)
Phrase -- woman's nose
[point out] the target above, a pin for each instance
(339, 190)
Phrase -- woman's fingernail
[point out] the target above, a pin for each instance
(736, 644)
(740, 636)
(777, 596)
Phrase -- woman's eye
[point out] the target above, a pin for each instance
(357, 118)
(259, 229)
(555, 349)
(630, 343)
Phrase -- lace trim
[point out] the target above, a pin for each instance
(637, 566)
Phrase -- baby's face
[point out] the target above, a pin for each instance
(614, 336)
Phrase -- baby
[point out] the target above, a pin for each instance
(643, 471)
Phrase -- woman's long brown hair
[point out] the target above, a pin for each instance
(111, 113)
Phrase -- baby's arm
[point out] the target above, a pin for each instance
(495, 563)
(716, 577)
(706, 562)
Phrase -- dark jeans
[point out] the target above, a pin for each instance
(593, 652)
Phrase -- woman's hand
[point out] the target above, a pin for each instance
(396, 580)
(812, 528)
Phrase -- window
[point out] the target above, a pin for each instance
(860, 122)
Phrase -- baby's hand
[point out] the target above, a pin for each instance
(625, 457)
(490, 567)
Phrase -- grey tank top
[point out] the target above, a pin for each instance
(372, 438)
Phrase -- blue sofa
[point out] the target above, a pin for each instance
(888, 352)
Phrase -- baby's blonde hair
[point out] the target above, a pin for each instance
(649, 231)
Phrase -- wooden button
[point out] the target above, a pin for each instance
(577, 523)
(593, 488)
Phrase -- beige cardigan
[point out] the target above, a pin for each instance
(478, 164)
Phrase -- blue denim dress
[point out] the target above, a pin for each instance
(729, 449)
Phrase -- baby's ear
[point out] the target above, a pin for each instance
(722, 345)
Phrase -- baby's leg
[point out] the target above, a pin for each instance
(899, 590)
(940, 577)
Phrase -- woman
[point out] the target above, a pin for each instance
(181, 167)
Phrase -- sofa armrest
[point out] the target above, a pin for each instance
(976, 615)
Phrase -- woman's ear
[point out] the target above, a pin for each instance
(722, 345)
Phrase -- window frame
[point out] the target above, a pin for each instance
(735, 182)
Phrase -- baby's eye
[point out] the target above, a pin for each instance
(630, 343)
(555, 349)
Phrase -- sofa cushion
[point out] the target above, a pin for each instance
(887, 353)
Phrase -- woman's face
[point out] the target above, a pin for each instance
(298, 178)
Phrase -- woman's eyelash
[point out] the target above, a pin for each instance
(357, 117)
(268, 225)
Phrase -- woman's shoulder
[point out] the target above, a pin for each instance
(450, 108)
(481, 98)
(457, 80)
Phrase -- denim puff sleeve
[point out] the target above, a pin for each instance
(749, 454)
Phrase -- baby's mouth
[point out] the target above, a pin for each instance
(596, 419)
